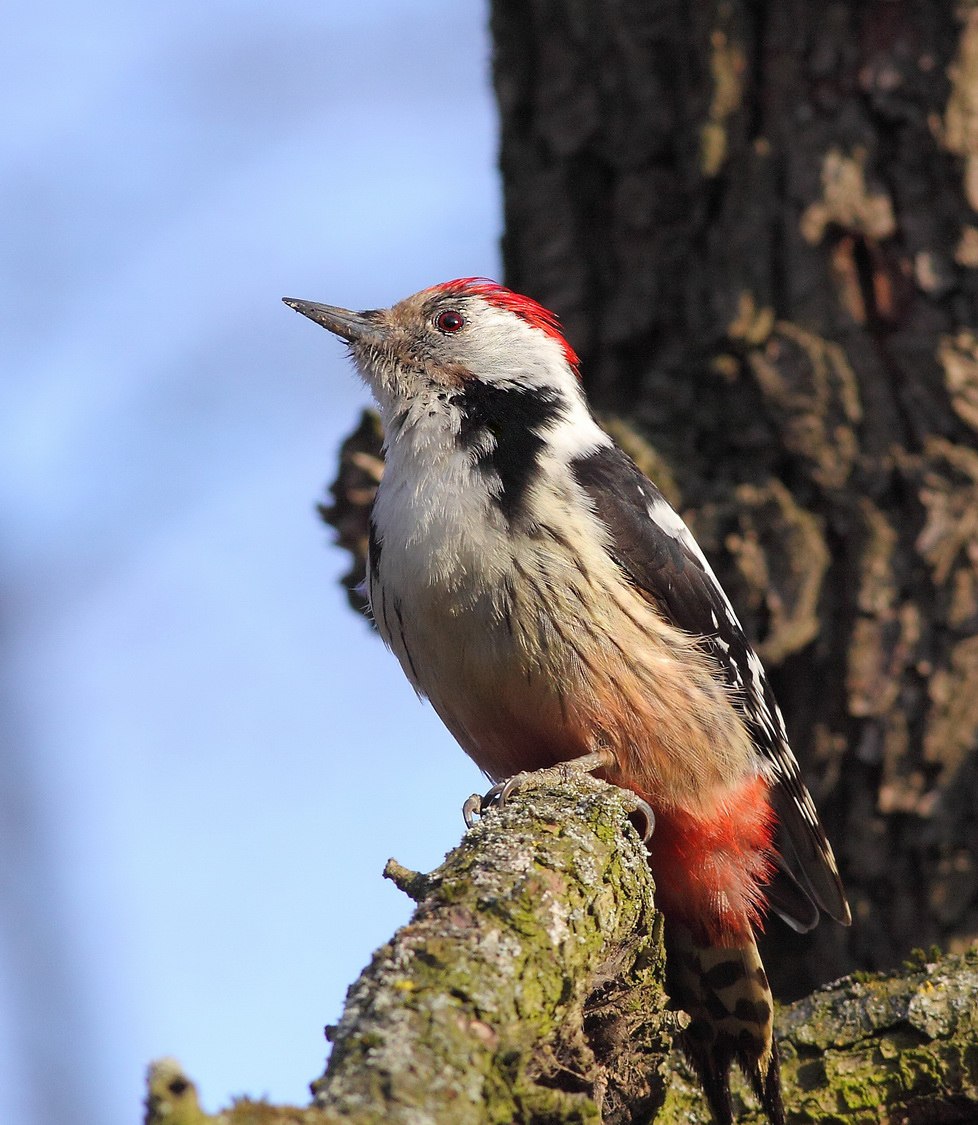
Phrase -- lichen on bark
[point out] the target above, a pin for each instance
(527, 989)
(536, 934)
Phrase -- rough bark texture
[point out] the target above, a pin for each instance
(527, 988)
(534, 950)
(758, 220)
(351, 498)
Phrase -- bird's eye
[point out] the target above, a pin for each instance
(451, 320)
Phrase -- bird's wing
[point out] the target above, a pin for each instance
(655, 549)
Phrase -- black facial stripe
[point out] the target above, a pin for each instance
(512, 418)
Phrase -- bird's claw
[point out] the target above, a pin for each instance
(646, 819)
(476, 807)
(472, 810)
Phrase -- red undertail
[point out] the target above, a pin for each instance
(710, 874)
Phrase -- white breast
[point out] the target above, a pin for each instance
(527, 640)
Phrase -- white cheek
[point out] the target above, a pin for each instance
(503, 349)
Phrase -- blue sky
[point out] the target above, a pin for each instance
(206, 758)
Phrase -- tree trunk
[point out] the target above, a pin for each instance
(758, 220)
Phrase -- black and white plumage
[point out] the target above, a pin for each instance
(656, 549)
(552, 606)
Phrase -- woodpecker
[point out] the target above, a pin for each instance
(541, 592)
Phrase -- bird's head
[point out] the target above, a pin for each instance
(446, 343)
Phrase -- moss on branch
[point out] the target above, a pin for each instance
(535, 935)
(527, 988)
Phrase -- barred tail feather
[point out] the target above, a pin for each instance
(725, 991)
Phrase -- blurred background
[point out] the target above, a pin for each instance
(206, 757)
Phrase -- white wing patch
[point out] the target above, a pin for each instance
(664, 515)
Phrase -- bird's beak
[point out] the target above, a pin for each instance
(350, 326)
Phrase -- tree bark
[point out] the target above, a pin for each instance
(758, 220)
(528, 988)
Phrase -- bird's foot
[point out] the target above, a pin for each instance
(476, 807)
(499, 795)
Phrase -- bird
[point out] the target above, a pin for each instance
(540, 591)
